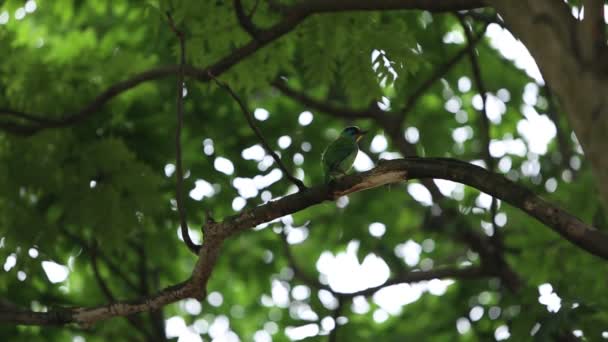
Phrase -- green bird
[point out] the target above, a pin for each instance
(339, 156)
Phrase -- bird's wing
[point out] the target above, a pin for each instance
(341, 150)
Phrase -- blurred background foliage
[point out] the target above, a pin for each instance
(100, 194)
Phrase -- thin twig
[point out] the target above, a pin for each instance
(179, 176)
(333, 335)
(563, 144)
(155, 317)
(486, 18)
(116, 271)
(483, 117)
(254, 8)
(245, 20)
(440, 72)
(102, 284)
(105, 289)
(258, 133)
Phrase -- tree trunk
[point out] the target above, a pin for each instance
(573, 64)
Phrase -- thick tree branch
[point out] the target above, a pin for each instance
(179, 172)
(323, 6)
(192, 288)
(392, 171)
(259, 134)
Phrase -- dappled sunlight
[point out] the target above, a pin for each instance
(175, 326)
(502, 333)
(549, 298)
(223, 165)
(514, 50)
(305, 118)
(238, 203)
(412, 135)
(345, 274)
(378, 144)
(302, 332)
(296, 235)
(500, 147)
(284, 142)
(409, 252)
(392, 298)
(10, 262)
(377, 229)
(208, 148)
(420, 193)
(261, 114)
(4, 17)
(463, 325)
(255, 152)
(363, 162)
(202, 189)
(56, 273)
(453, 37)
(538, 130)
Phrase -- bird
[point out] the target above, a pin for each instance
(340, 155)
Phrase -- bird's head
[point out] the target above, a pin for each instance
(353, 132)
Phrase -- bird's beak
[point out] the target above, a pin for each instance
(361, 134)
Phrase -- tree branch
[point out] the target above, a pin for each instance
(179, 174)
(259, 134)
(392, 171)
(323, 6)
